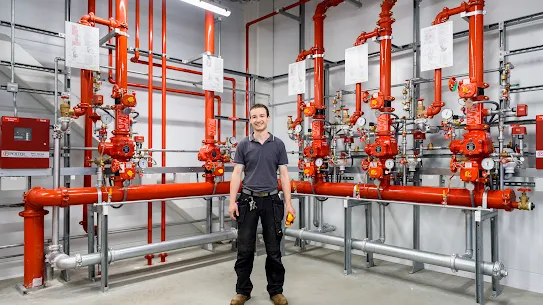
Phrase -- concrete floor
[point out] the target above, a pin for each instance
(194, 276)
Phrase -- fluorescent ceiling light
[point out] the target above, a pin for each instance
(210, 6)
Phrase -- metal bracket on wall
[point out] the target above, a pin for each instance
(282, 11)
(112, 34)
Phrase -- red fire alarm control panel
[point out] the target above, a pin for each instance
(539, 142)
(24, 143)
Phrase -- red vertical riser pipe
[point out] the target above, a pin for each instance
(110, 51)
(247, 27)
(137, 42)
(209, 46)
(150, 256)
(163, 203)
(85, 98)
(385, 33)
(476, 49)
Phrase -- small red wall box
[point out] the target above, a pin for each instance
(24, 143)
(539, 142)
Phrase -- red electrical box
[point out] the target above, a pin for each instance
(539, 142)
(24, 143)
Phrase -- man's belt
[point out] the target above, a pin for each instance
(259, 194)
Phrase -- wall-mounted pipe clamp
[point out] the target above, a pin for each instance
(466, 16)
(378, 39)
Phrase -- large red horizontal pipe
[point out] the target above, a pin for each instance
(63, 197)
(432, 195)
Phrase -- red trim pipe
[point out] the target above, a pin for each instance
(163, 203)
(150, 256)
(209, 46)
(247, 26)
(437, 104)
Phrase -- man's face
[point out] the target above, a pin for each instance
(259, 119)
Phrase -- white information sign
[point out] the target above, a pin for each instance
(436, 46)
(82, 46)
(356, 65)
(213, 73)
(296, 78)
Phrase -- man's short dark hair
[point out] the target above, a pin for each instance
(255, 106)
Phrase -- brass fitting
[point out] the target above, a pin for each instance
(524, 203)
(420, 108)
(65, 109)
(346, 119)
(290, 123)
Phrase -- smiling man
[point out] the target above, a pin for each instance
(259, 156)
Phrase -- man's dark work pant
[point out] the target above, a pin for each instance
(271, 210)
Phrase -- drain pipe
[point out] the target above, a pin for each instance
(496, 269)
(469, 234)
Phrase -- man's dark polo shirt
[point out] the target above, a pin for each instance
(261, 162)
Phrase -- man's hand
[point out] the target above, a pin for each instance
(290, 209)
(233, 210)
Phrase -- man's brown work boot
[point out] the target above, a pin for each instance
(279, 299)
(239, 299)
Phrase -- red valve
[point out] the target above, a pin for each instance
(524, 189)
(377, 100)
(376, 170)
(309, 169)
(139, 139)
(470, 172)
(365, 96)
(310, 110)
(467, 88)
(518, 130)
(97, 100)
(453, 84)
(365, 164)
(128, 100)
(127, 170)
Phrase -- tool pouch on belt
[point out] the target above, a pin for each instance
(243, 207)
(278, 214)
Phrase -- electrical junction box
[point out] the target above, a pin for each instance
(24, 143)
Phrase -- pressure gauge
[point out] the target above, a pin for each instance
(142, 163)
(361, 122)
(389, 164)
(105, 117)
(232, 140)
(232, 155)
(298, 128)
(319, 162)
(446, 113)
(488, 164)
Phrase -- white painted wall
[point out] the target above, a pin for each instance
(442, 230)
(185, 25)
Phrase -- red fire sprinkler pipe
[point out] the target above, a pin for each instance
(150, 256)
(163, 204)
(110, 51)
(86, 85)
(247, 26)
(359, 94)
(437, 104)
(385, 146)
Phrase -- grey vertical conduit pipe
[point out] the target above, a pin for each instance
(454, 262)
(469, 234)
(382, 234)
(15, 112)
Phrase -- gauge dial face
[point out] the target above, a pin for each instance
(361, 122)
(389, 164)
(105, 117)
(298, 128)
(232, 140)
(319, 162)
(142, 163)
(488, 164)
(446, 113)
